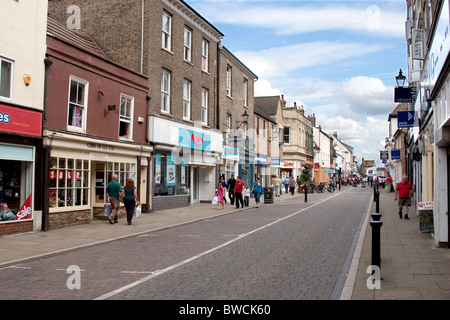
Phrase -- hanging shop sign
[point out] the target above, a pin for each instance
(407, 119)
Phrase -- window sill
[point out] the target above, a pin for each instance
(165, 113)
(166, 50)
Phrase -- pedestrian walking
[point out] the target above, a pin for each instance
(231, 183)
(257, 190)
(404, 191)
(389, 183)
(277, 184)
(130, 199)
(246, 196)
(238, 191)
(286, 184)
(114, 191)
(292, 184)
(224, 185)
(220, 194)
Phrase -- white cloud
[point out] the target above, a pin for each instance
(296, 17)
(279, 61)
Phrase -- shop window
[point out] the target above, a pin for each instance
(171, 178)
(104, 173)
(68, 182)
(15, 190)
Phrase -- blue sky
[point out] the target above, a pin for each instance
(337, 58)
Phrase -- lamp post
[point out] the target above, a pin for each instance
(400, 79)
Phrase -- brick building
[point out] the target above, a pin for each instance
(176, 48)
(94, 126)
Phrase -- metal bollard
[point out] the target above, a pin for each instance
(376, 243)
(374, 194)
(376, 216)
(306, 193)
(377, 204)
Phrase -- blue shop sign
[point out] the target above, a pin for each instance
(194, 140)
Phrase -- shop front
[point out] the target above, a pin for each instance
(186, 162)
(79, 171)
(287, 168)
(20, 169)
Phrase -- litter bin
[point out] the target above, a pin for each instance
(268, 194)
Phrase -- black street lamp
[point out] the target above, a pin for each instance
(400, 79)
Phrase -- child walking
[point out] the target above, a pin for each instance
(220, 193)
(246, 196)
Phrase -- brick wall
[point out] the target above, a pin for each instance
(16, 227)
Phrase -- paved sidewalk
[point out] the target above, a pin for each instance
(412, 267)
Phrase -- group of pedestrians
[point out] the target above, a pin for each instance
(127, 195)
(237, 192)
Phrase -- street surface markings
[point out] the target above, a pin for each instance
(149, 272)
(223, 245)
(15, 267)
(148, 235)
(189, 235)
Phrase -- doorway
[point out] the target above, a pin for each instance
(195, 185)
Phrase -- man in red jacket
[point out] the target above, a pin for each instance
(238, 190)
(404, 190)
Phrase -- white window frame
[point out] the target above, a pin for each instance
(166, 41)
(187, 88)
(245, 92)
(165, 91)
(228, 123)
(187, 45)
(205, 55)
(229, 75)
(84, 105)
(126, 119)
(11, 63)
(205, 97)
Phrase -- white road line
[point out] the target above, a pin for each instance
(182, 263)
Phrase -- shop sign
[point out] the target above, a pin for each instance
(20, 121)
(194, 140)
(231, 153)
(395, 155)
(25, 210)
(261, 160)
(288, 164)
(407, 119)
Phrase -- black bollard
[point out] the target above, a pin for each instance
(377, 204)
(376, 216)
(374, 194)
(376, 243)
(306, 193)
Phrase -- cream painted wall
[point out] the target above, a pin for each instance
(23, 36)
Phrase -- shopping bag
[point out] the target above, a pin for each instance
(107, 209)
(215, 201)
(138, 211)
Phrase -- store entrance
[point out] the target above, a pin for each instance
(195, 185)
(101, 181)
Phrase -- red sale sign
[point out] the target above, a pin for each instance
(25, 210)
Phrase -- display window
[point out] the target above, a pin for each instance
(169, 177)
(68, 182)
(103, 175)
(15, 190)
